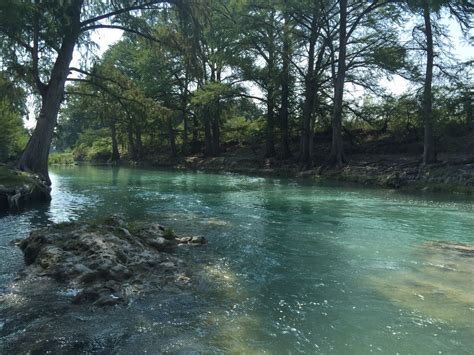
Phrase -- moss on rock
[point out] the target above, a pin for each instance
(19, 189)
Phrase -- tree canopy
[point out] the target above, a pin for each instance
(192, 77)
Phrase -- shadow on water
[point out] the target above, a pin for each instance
(290, 267)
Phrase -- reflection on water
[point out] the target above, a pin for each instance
(290, 267)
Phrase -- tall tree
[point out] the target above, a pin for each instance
(286, 80)
(429, 154)
(462, 11)
(39, 39)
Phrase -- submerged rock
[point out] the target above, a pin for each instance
(440, 285)
(107, 261)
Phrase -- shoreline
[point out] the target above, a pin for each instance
(454, 176)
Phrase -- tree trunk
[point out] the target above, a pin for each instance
(269, 141)
(171, 137)
(184, 112)
(115, 150)
(207, 134)
(429, 154)
(337, 149)
(35, 156)
(468, 108)
(216, 150)
(309, 94)
(131, 142)
(271, 99)
(285, 92)
(195, 137)
(138, 140)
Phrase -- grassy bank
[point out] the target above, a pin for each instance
(61, 158)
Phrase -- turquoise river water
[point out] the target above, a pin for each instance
(291, 267)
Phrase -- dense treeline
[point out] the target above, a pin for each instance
(192, 77)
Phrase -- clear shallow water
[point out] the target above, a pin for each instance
(291, 267)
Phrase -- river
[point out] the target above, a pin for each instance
(292, 267)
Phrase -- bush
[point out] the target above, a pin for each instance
(93, 146)
(61, 158)
(240, 130)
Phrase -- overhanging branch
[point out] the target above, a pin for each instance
(86, 23)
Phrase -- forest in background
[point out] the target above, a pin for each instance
(210, 76)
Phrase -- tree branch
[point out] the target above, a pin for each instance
(96, 76)
(87, 22)
(123, 28)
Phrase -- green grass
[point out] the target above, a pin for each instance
(64, 158)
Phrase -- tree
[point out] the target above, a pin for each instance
(462, 11)
(314, 38)
(261, 57)
(39, 39)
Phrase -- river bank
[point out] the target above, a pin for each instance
(19, 190)
(452, 174)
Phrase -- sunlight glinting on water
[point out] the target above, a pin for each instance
(290, 267)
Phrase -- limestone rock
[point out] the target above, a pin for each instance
(107, 261)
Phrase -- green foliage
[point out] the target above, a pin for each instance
(93, 146)
(61, 158)
(242, 130)
(13, 136)
(169, 233)
(187, 87)
(390, 58)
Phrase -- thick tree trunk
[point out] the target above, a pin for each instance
(468, 102)
(216, 149)
(271, 99)
(429, 154)
(195, 137)
(138, 141)
(285, 92)
(337, 149)
(184, 113)
(269, 141)
(309, 94)
(131, 142)
(171, 137)
(35, 156)
(115, 150)
(310, 164)
(207, 134)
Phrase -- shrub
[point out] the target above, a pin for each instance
(61, 158)
(93, 146)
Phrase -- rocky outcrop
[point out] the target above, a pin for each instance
(19, 190)
(108, 262)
